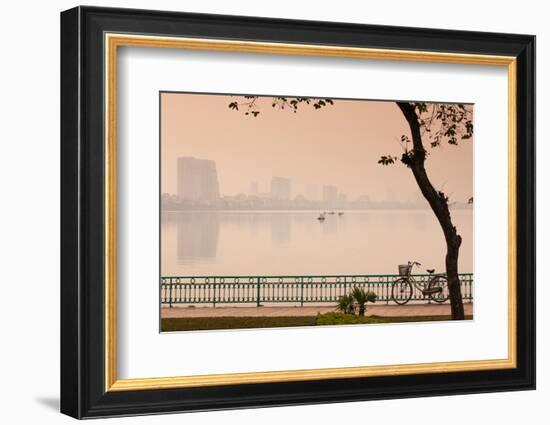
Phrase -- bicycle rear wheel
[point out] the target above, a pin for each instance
(439, 282)
(401, 291)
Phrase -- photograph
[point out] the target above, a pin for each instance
(287, 211)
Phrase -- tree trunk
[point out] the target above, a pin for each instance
(439, 205)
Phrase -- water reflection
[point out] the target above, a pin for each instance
(198, 236)
(295, 242)
(280, 228)
(330, 225)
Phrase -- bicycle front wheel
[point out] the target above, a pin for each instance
(439, 282)
(401, 291)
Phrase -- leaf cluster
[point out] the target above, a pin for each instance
(252, 107)
(439, 123)
(445, 122)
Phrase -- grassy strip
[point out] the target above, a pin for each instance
(212, 323)
(209, 323)
(417, 318)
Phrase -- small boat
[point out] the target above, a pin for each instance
(332, 213)
(340, 214)
(321, 217)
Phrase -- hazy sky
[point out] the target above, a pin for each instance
(337, 145)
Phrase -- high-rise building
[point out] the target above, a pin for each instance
(197, 179)
(342, 197)
(280, 188)
(330, 194)
(253, 189)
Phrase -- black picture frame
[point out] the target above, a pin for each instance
(83, 392)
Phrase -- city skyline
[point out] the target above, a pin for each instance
(198, 181)
(198, 188)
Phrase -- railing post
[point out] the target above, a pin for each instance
(162, 291)
(345, 286)
(258, 294)
(170, 294)
(302, 292)
(214, 290)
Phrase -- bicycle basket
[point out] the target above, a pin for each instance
(404, 269)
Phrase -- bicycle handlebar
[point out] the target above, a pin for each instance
(414, 263)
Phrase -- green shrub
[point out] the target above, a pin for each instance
(355, 302)
(346, 304)
(361, 298)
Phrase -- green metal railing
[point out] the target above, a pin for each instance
(286, 289)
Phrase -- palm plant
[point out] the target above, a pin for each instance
(361, 298)
(346, 304)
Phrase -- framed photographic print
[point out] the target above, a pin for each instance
(261, 212)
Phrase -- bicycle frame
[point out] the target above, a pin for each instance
(413, 281)
(420, 285)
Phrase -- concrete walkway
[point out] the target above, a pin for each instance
(376, 310)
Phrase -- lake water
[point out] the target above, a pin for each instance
(215, 243)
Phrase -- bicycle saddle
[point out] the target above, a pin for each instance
(430, 271)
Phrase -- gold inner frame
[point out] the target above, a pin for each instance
(113, 41)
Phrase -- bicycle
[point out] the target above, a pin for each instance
(402, 288)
